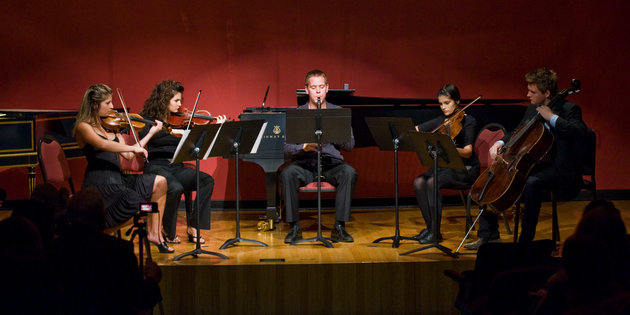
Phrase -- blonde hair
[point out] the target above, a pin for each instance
(88, 112)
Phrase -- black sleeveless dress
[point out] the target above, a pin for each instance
(122, 194)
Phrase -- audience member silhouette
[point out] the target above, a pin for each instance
(46, 209)
(25, 285)
(3, 196)
(595, 260)
(97, 273)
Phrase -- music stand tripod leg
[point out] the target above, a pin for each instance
(435, 222)
(237, 238)
(197, 251)
(396, 238)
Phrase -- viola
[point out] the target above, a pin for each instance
(503, 182)
(115, 121)
(452, 125)
(183, 115)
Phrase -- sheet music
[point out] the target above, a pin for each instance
(214, 140)
(259, 138)
(180, 144)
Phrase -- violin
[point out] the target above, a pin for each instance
(452, 125)
(182, 117)
(115, 121)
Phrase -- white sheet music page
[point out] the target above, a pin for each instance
(205, 156)
(180, 144)
(259, 138)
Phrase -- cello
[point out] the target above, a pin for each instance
(503, 182)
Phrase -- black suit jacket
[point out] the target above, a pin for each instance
(566, 154)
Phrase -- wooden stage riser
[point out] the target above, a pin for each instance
(353, 288)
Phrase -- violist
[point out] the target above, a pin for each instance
(449, 99)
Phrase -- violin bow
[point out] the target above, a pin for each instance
(194, 110)
(133, 132)
(464, 108)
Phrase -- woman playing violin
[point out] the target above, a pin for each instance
(122, 194)
(448, 97)
(165, 100)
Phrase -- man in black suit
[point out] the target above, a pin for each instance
(559, 169)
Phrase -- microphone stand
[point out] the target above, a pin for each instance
(318, 133)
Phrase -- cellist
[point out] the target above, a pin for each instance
(559, 169)
(449, 98)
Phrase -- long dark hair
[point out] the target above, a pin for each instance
(156, 106)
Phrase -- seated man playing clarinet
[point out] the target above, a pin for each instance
(303, 167)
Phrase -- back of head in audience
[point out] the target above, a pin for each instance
(20, 239)
(602, 220)
(86, 209)
(45, 201)
(596, 256)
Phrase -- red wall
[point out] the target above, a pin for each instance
(233, 49)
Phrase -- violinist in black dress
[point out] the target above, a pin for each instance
(166, 98)
(121, 193)
(448, 97)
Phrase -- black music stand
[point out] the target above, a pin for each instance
(390, 134)
(437, 150)
(193, 144)
(308, 126)
(233, 138)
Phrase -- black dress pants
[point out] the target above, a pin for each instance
(545, 179)
(342, 176)
(179, 179)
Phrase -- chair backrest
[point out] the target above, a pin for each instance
(135, 165)
(487, 136)
(53, 163)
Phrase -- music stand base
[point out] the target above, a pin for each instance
(444, 249)
(196, 252)
(318, 238)
(396, 240)
(235, 240)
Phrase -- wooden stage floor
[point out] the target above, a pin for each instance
(360, 277)
(366, 226)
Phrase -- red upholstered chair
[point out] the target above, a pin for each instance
(488, 135)
(308, 188)
(53, 163)
(312, 187)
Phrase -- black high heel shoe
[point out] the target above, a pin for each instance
(193, 239)
(163, 248)
(168, 240)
